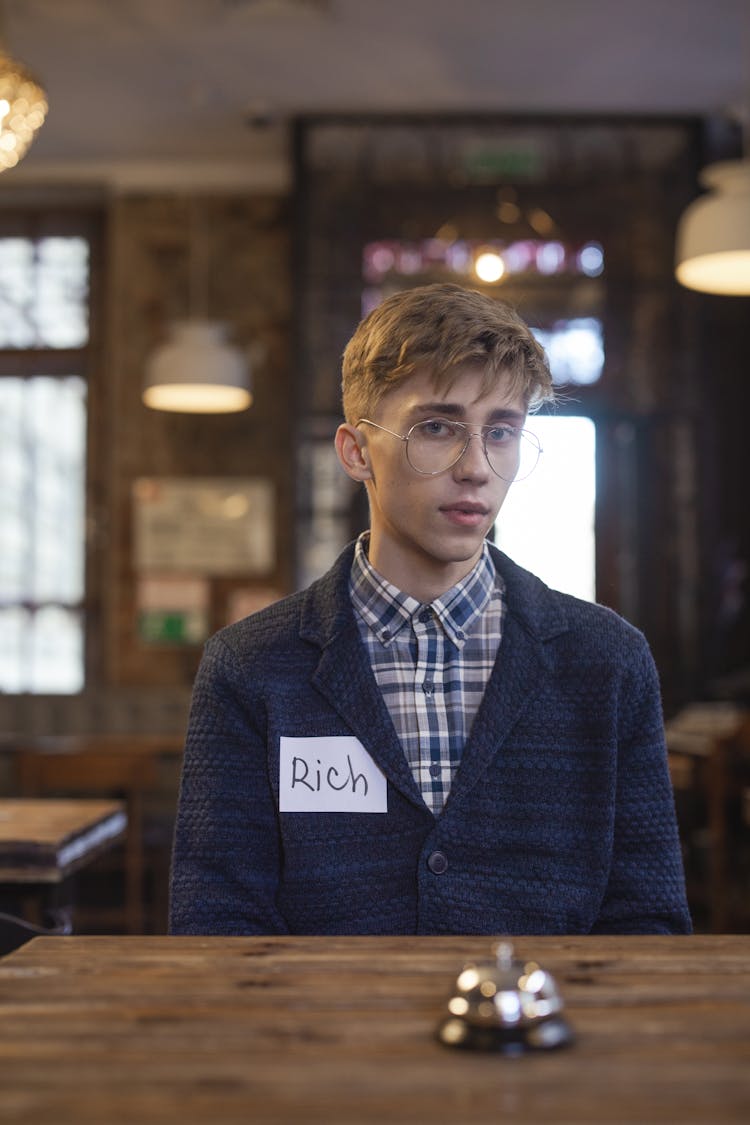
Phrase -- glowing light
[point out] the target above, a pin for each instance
(509, 1006)
(453, 1031)
(383, 259)
(458, 1006)
(23, 107)
(713, 235)
(468, 979)
(489, 266)
(591, 259)
(550, 257)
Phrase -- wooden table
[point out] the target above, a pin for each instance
(46, 840)
(329, 1030)
(137, 767)
(43, 842)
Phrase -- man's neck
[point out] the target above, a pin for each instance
(422, 579)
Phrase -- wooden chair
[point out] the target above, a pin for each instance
(91, 772)
(709, 759)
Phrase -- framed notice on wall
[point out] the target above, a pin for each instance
(204, 525)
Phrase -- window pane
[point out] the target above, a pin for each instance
(56, 656)
(42, 528)
(44, 292)
(547, 521)
(14, 634)
(575, 349)
(41, 651)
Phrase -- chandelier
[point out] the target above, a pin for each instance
(23, 107)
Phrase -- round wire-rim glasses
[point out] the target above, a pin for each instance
(444, 441)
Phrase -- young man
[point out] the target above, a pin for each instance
(428, 739)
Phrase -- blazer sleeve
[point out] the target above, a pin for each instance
(226, 856)
(646, 888)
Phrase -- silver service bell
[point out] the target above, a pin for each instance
(505, 1005)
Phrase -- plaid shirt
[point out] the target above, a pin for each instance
(431, 662)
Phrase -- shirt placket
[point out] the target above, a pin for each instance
(432, 770)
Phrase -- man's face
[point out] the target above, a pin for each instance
(427, 532)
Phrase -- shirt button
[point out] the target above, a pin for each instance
(427, 687)
(460, 635)
(435, 770)
(425, 616)
(385, 635)
(438, 863)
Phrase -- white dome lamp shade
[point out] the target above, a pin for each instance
(713, 235)
(197, 372)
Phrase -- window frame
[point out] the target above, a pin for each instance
(84, 221)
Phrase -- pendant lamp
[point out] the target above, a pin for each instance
(197, 372)
(713, 235)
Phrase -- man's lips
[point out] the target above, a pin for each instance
(467, 513)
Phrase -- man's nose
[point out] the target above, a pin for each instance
(472, 464)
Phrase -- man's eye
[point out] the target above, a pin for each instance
(501, 435)
(437, 428)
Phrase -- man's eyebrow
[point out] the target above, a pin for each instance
(455, 410)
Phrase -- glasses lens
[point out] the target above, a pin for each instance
(512, 454)
(435, 445)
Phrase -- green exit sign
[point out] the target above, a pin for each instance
(483, 162)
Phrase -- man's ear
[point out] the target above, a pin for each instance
(352, 452)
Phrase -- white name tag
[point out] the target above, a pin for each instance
(329, 775)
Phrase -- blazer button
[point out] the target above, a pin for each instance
(438, 863)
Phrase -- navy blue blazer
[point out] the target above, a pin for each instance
(560, 818)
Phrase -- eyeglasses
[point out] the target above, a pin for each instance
(439, 443)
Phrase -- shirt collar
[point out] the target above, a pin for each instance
(386, 609)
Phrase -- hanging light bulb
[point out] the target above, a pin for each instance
(713, 235)
(23, 107)
(197, 372)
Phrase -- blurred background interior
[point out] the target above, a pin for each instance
(216, 190)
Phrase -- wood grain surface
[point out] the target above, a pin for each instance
(144, 1030)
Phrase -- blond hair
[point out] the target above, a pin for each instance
(439, 328)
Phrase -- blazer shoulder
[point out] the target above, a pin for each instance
(313, 614)
(271, 626)
(547, 612)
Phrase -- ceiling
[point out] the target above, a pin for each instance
(201, 91)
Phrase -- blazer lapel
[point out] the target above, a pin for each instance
(520, 668)
(511, 690)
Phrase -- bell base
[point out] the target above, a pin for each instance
(543, 1035)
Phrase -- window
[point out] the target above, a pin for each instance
(547, 521)
(44, 333)
(575, 350)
